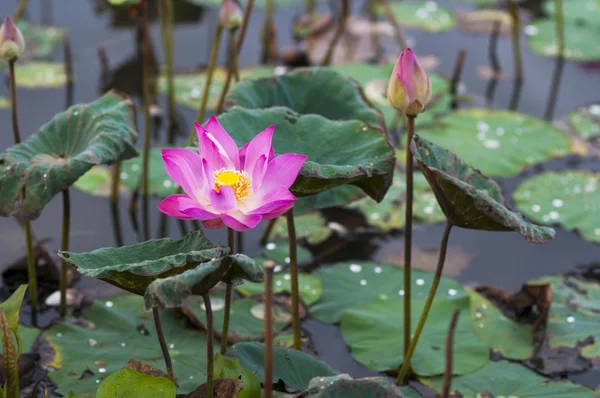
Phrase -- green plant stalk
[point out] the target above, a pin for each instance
(147, 120)
(436, 281)
(408, 217)
(311, 6)
(560, 59)
(268, 324)
(19, 11)
(560, 29)
(398, 33)
(166, 29)
(516, 30)
(10, 365)
(114, 203)
(341, 26)
(294, 278)
(66, 227)
(447, 383)
(230, 72)
(163, 345)
(268, 34)
(210, 333)
(228, 294)
(244, 27)
(212, 61)
(267, 231)
(31, 271)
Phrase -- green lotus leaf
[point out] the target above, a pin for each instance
(339, 152)
(579, 39)
(118, 329)
(319, 91)
(574, 315)
(513, 340)
(577, 11)
(345, 386)
(429, 16)
(123, 2)
(499, 143)
(27, 336)
(64, 149)
(468, 198)
(279, 251)
(231, 368)
(247, 323)
(188, 86)
(348, 285)
(584, 122)
(98, 182)
(131, 383)
(257, 3)
(506, 379)
(338, 196)
(293, 367)
(12, 310)
(38, 75)
(310, 287)
(374, 333)
(4, 103)
(568, 198)
(374, 80)
(135, 267)
(311, 227)
(172, 290)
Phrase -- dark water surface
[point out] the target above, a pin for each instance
(503, 259)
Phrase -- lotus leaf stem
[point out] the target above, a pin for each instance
(210, 334)
(341, 26)
(66, 226)
(239, 239)
(68, 71)
(163, 344)
(242, 36)
(311, 6)
(560, 60)
(449, 354)
(436, 281)
(19, 11)
(147, 119)
(267, 232)
(31, 271)
(114, 203)
(212, 61)
(408, 217)
(294, 278)
(230, 72)
(228, 294)
(494, 62)
(268, 314)
(269, 33)
(166, 30)
(458, 68)
(513, 9)
(398, 33)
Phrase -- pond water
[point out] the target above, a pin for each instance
(502, 259)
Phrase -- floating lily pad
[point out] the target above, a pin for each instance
(584, 122)
(468, 198)
(483, 22)
(429, 15)
(4, 103)
(128, 382)
(159, 182)
(506, 379)
(119, 330)
(338, 196)
(257, 3)
(310, 287)
(97, 181)
(499, 143)
(348, 285)
(64, 149)
(27, 335)
(170, 291)
(231, 368)
(247, 316)
(345, 386)
(513, 340)
(579, 39)
(279, 251)
(374, 332)
(577, 11)
(319, 91)
(188, 86)
(331, 147)
(293, 367)
(311, 227)
(574, 315)
(38, 75)
(135, 267)
(567, 198)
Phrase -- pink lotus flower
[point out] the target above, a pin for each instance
(227, 185)
(409, 89)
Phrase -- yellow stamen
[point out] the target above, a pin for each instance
(238, 180)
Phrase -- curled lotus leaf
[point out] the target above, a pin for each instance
(172, 291)
(135, 267)
(468, 198)
(339, 152)
(64, 149)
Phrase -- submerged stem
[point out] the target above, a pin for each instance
(338, 32)
(212, 61)
(228, 293)
(449, 351)
(557, 74)
(147, 119)
(268, 324)
(166, 29)
(294, 278)
(66, 226)
(163, 344)
(209, 346)
(408, 217)
(428, 302)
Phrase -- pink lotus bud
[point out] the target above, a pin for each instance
(12, 43)
(230, 15)
(409, 89)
